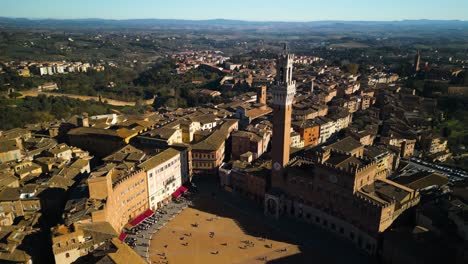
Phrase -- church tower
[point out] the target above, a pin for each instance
(417, 62)
(283, 95)
(262, 96)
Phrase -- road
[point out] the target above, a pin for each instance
(85, 98)
(427, 166)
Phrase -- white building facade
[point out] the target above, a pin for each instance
(164, 174)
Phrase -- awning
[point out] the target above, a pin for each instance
(176, 194)
(141, 217)
(181, 190)
(122, 236)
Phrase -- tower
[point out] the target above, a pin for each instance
(312, 86)
(283, 95)
(83, 120)
(261, 95)
(417, 62)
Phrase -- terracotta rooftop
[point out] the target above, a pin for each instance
(217, 138)
(158, 159)
(8, 145)
(346, 145)
(422, 180)
(252, 136)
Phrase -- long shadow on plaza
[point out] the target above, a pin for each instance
(316, 245)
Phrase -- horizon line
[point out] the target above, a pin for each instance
(233, 19)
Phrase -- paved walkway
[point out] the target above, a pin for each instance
(143, 240)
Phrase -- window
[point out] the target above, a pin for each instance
(67, 255)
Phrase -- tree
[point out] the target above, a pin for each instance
(353, 68)
(15, 95)
(446, 132)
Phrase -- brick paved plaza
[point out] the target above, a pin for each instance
(180, 241)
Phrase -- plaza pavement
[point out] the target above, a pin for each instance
(236, 219)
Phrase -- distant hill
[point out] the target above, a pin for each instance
(223, 24)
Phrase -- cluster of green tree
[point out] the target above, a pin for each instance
(161, 80)
(90, 46)
(174, 90)
(431, 88)
(454, 127)
(29, 110)
(461, 79)
(428, 88)
(352, 68)
(11, 79)
(89, 83)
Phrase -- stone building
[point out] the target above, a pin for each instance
(118, 195)
(20, 201)
(69, 243)
(335, 187)
(327, 128)
(405, 145)
(112, 251)
(209, 154)
(9, 151)
(342, 193)
(100, 142)
(309, 131)
(245, 141)
(435, 148)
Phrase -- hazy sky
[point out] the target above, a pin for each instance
(283, 10)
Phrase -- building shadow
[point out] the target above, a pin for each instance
(316, 245)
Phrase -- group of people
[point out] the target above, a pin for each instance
(247, 243)
(163, 258)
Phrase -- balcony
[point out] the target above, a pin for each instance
(169, 181)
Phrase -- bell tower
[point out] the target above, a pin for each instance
(417, 62)
(283, 95)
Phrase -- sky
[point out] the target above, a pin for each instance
(252, 10)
